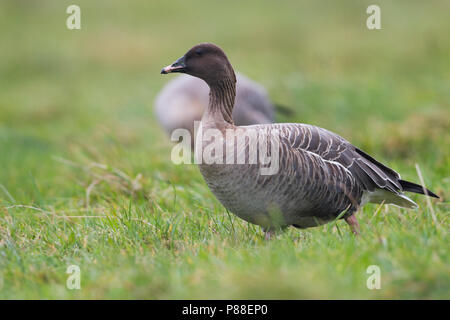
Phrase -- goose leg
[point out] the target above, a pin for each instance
(353, 223)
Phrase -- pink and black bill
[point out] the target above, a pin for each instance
(177, 66)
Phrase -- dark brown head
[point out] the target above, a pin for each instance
(205, 61)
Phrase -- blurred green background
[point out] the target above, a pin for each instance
(86, 176)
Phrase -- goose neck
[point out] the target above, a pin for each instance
(221, 100)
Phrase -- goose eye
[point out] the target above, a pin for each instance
(198, 52)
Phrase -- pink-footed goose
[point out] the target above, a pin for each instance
(184, 100)
(321, 176)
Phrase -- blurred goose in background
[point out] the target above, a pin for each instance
(184, 100)
(321, 175)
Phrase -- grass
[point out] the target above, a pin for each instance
(86, 177)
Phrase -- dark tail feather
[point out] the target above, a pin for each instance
(286, 111)
(416, 188)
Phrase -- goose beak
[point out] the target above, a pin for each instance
(177, 66)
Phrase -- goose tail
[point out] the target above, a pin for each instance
(416, 188)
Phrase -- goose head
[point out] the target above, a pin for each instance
(205, 61)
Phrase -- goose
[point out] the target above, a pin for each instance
(321, 176)
(183, 101)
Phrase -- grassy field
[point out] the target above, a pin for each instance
(85, 171)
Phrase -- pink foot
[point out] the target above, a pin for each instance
(353, 223)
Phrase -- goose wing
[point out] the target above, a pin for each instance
(330, 147)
